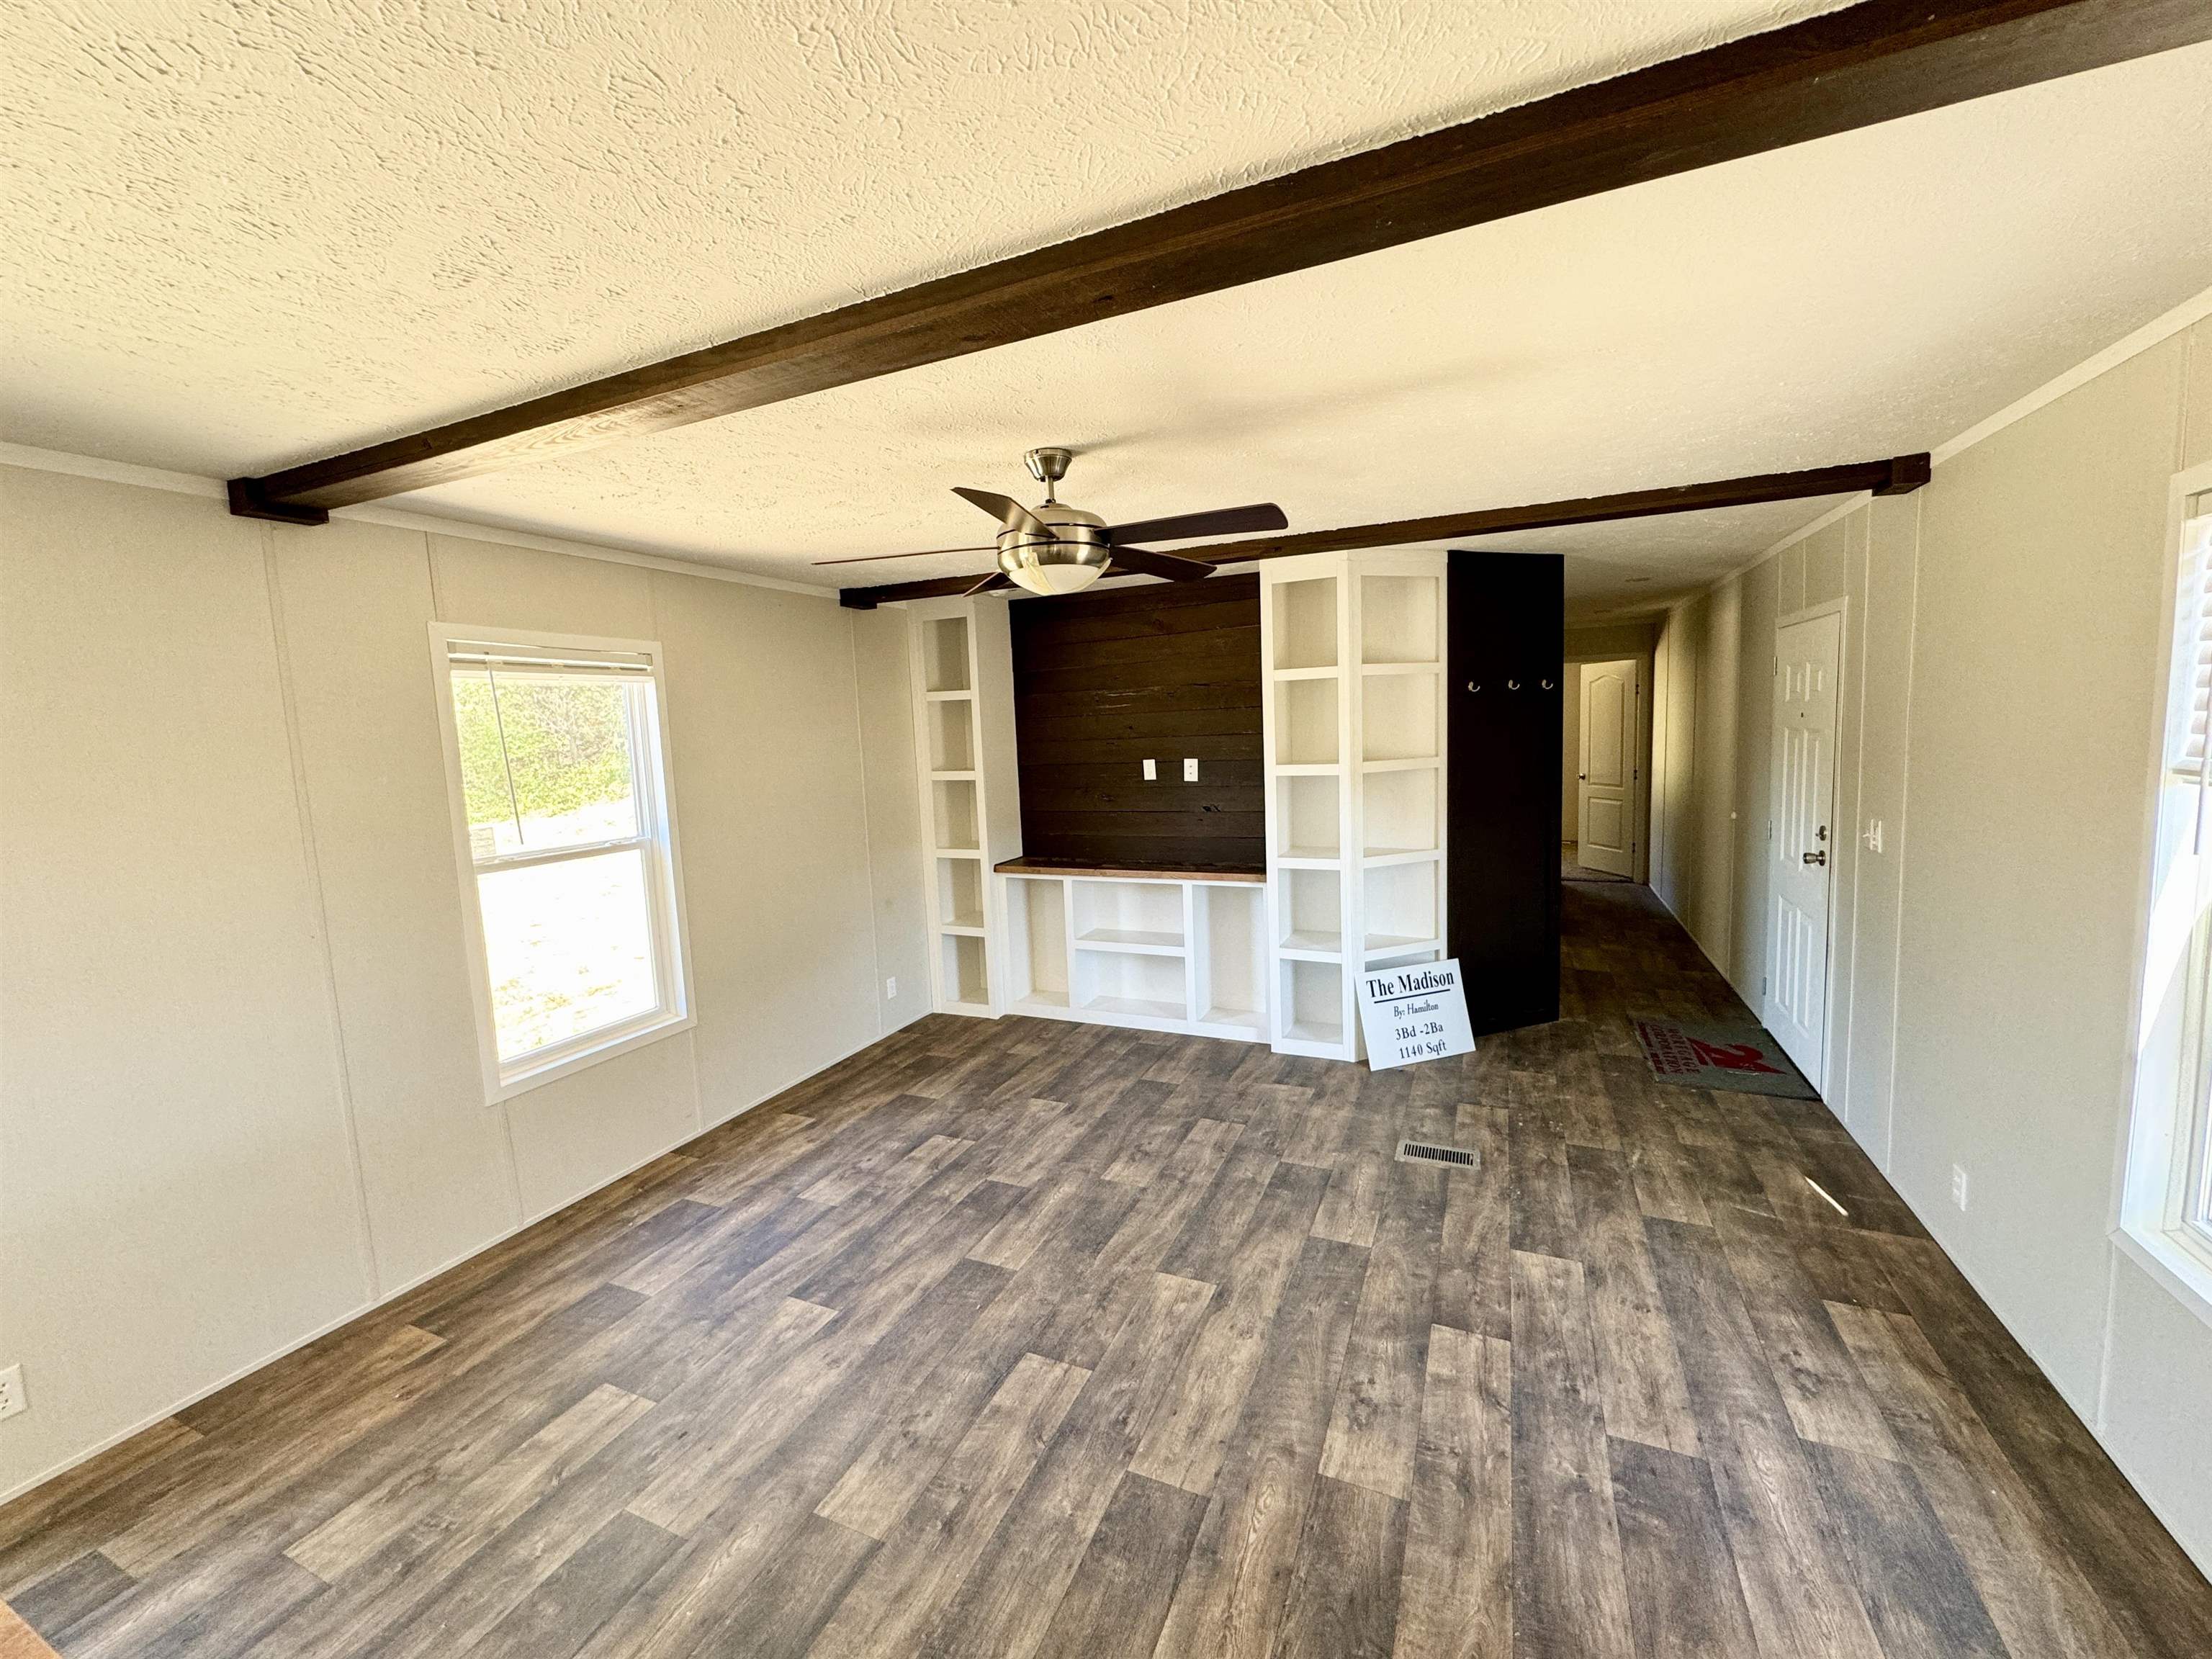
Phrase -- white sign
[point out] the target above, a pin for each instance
(1413, 1013)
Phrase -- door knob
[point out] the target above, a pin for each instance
(1582, 777)
(1816, 858)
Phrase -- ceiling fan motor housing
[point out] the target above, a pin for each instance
(1073, 556)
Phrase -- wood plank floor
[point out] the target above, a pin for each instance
(1031, 1338)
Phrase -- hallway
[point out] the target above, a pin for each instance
(1018, 1338)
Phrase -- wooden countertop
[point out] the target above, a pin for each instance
(1026, 867)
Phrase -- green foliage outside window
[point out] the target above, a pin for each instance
(566, 745)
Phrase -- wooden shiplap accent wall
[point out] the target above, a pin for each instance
(1105, 681)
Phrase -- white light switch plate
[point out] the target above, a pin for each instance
(11, 1391)
(1190, 771)
(1151, 771)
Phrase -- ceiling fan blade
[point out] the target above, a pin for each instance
(1005, 509)
(1160, 564)
(1222, 521)
(928, 553)
(997, 579)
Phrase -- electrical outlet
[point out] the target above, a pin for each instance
(1151, 771)
(11, 1392)
(1874, 835)
(890, 988)
(1190, 771)
(1959, 1185)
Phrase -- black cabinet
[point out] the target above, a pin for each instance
(1507, 627)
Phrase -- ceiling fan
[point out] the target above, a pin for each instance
(1054, 548)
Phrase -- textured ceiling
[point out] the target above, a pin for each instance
(249, 235)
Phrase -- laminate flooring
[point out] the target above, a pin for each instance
(1025, 1338)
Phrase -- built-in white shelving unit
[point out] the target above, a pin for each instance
(1352, 693)
(970, 815)
(1167, 953)
(1352, 659)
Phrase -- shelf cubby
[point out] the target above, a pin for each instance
(963, 977)
(1232, 977)
(1311, 906)
(1400, 906)
(1309, 819)
(1123, 982)
(1401, 811)
(960, 892)
(1313, 1002)
(1305, 722)
(956, 821)
(1398, 618)
(944, 655)
(1037, 929)
(952, 735)
(1398, 717)
(1305, 623)
(1129, 916)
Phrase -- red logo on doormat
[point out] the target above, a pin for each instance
(1734, 1057)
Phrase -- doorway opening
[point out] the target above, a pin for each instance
(1605, 770)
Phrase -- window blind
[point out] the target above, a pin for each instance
(508, 659)
(2195, 643)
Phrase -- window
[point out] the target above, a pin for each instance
(554, 756)
(2166, 1208)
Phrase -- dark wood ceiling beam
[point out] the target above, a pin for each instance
(1866, 63)
(1900, 475)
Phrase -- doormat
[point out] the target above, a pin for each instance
(1741, 1058)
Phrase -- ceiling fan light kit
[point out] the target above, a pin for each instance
(1055, 549)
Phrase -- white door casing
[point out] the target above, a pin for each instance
(1806, 657)
(1606, 801)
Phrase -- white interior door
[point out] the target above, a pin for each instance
(1605, 800)
(1796, 1012)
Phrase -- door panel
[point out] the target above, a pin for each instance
(1796, 1001)
(1607, 833)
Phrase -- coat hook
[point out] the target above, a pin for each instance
(1548, 685)
(1512, 685)
(1472, 686)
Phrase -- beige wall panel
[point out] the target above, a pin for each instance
(1883, 628)
(880, 641)
(765, 736)
(1828, 559)
(1836, 569)
(1628, 638)
(2158, 1404)
(2197, 422)
(1754, 783)
(2041, 576)
(356, 604)
(574, 1134)
(1676, 788)
(179, 1197)
(475, 582)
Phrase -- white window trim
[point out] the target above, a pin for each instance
(671, 922)
(2167, 1125)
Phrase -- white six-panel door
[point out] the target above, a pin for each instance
(1606, 804)
(1796, 1012)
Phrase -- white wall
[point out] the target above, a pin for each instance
(239, 1095)
(2004, 661)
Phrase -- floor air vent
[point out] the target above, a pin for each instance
(1420, 1151)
